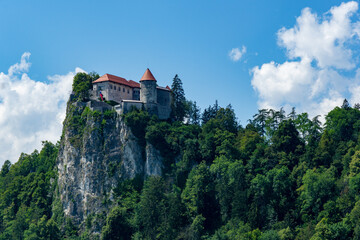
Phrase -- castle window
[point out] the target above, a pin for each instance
(123, 89)
(128, 91)
(115, 88)
(119, 88)
(110, 86)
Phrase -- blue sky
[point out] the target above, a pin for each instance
(193, 39)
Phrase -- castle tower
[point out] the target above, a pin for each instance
(148, 92)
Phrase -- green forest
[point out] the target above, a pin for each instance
(280, 176)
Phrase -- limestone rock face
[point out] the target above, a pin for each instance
(97, 152)
(154, 161)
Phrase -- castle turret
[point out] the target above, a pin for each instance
(148, 92)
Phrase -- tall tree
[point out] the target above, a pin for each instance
(193, 112)
(178, 103)
(117, 227)
(210, 113)
(345, 104)
(5, 168)
(151, 208)
(286, 137)
(199, 197)
(259, 120)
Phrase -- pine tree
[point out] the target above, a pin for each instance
(178, 104)
(345, 104)
(357, 106)
(193, 113)
(210, 113)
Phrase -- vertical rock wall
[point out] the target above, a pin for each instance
(93, 157)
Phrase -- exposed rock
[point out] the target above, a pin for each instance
(97, 152)
(154, 161)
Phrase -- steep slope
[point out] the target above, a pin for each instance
(97, 151)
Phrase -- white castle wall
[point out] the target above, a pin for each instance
(113, 91)
(156, 100)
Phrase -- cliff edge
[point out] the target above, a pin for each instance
(97, 151)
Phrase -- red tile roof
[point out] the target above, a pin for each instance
(116, 79)
(147, 76)
(163, 88)
(134, 84)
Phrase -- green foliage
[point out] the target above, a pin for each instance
(138, 120)
(270, 235)
(76, 122)
(117, 226)
(271, 196)
(230, 186)
(355, 164)
(247, 141)
(5, 168)
(178, 101)
(155, 134)
(324, 230)
(158, 214)
(281, 177)
(82, 83)
(286, 137)
(26, 195)
(318, 187)
(286, 234)
(343, 124)
(199, 196)
(43, 230)
(196, 229)
(210, 113)
(70, 230)
(218, 135)
(193, 113)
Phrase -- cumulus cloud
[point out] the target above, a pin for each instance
(235, 54)
(321, 57)
(30, 111)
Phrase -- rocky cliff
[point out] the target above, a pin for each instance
(98, 150)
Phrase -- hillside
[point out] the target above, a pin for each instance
(133, 176)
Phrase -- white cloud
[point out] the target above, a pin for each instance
(321, 59)
(23, 66)
(235, 54)
(30, 111)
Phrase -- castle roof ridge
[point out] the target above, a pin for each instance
(112, 78)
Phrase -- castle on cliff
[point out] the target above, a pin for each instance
(130, 94)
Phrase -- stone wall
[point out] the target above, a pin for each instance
(148, 93)
(136, 94)
(163, 97)
(113, 91)
(98, 106)
(163, 112)
(152, 108)
(164, 103)
(156, 100)
(128, 105)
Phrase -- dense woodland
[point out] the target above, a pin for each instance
(282, 176)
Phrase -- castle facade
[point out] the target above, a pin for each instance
(129, 94)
